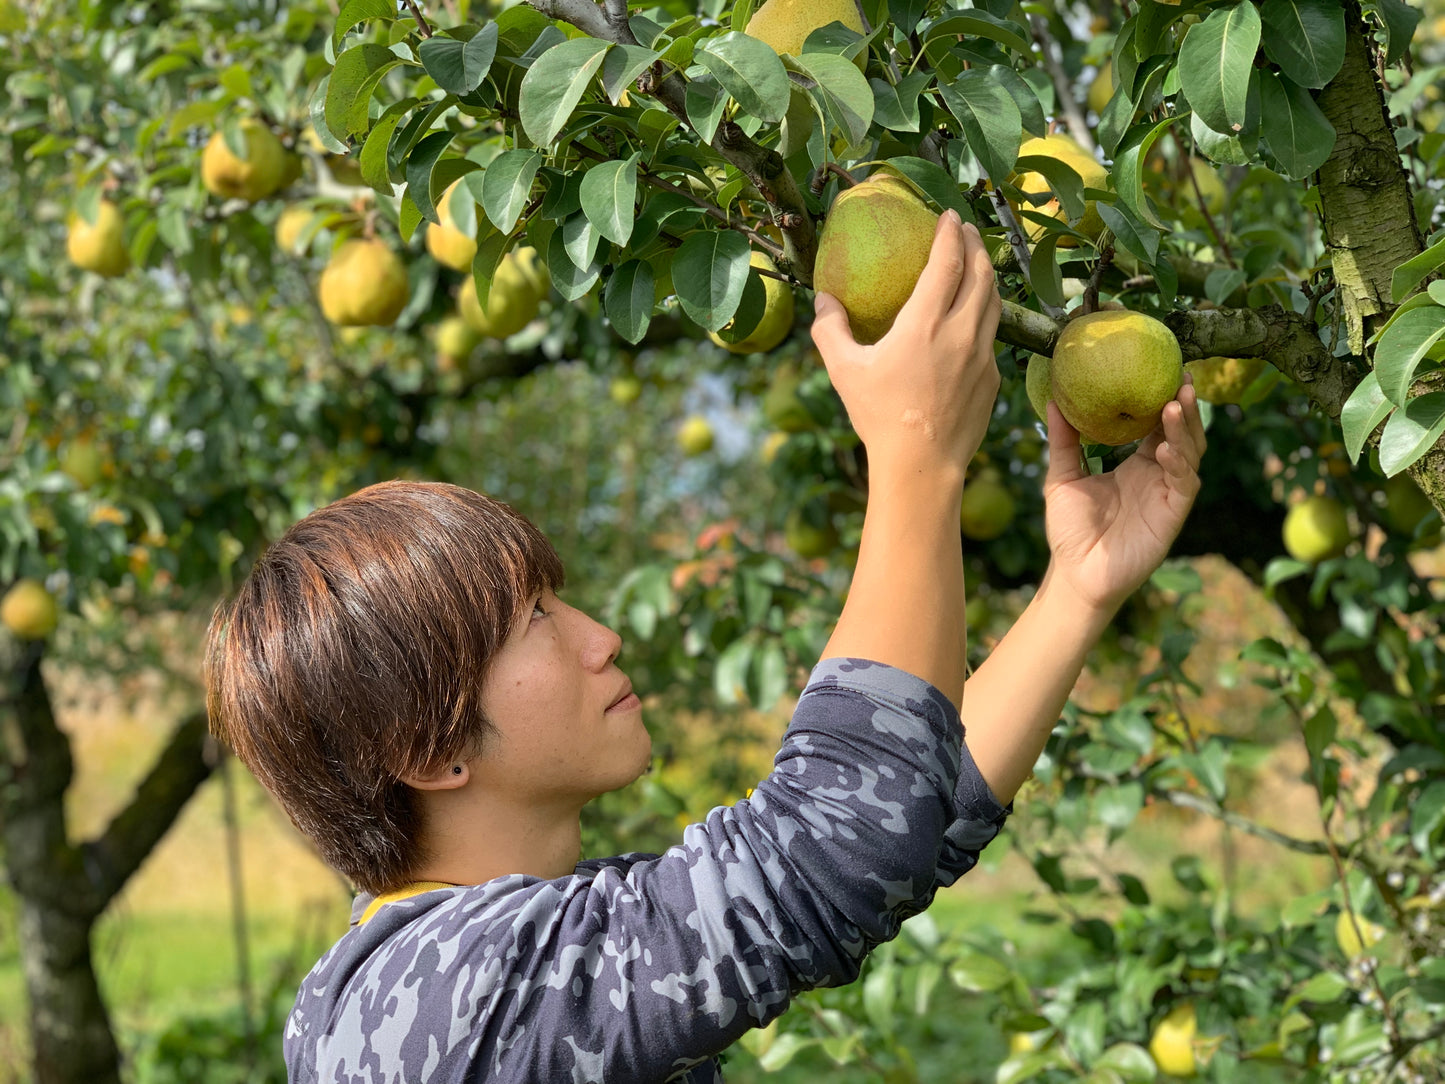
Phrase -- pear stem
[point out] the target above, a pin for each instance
(421, 22)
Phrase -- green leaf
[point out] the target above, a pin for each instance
(841, 96)
(1130, 1061)
(1031, 112)
(1322, 988)
(1366, 408)
(989, 117)
(1132, 236)
(419, 165)
(459, 67)
(375, 160)
(492, 249)
(348, 91)
(1226, 150)
(628, 299)
(709, 271)
(1220, 283)
(555, 83)
(506, 186)
(1427, 815)
(1400, 20)
(1044, 273)
(1215, 62)
(1306, 38)
(1295, 135)
(750, 71)
(1064, 181)
(979, 974)
(355, 12)
(1416, 269)
(569, 280)
(580, 238)
(933, 182)
(1116, 807)
(1320, 731)
(980, 24)
(731, 675)
(705, 101)
(624, 64)
(896, 107)
(1411, 432)
(1436, 293)
(1129, 167)
(1404, 347)
(769, 675)
(788, 1045)
(609, 191)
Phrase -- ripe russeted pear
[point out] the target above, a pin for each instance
(253, 177)
(874, 245)
(364, 284)
(98, 246)
(1113, 372)
(786, 24)
(777, 318)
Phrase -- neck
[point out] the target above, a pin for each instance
(470, 838)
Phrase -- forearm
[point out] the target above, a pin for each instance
(905, 605)
(1012, 702)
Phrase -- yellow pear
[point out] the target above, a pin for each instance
(1223, 380)
(447, 244)
(1066, 149)
(695, 435)
(874, 245)
(290, 225)
(99, 247)
(1172, 1043)
(511, 304)
(777, 319)
(625, 390)
(84, 461)
(364, 284)
(1102, 88)
(786, 24)
(29, 611)
(988, 507)
(535, 270)
(253, 177)
(1112, 372)
(1316, 528)
(772, 444)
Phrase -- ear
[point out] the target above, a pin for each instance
(444, 778)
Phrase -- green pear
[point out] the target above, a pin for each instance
(777, 320)
(782, 408)
(1406, 507)
(1112, 373)
(1037, 381)
(874, 245)
(1223, 380)
(987, 508)
(786, 24)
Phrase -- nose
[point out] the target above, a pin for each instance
(601, 645)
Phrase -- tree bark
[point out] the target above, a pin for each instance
(63, 888)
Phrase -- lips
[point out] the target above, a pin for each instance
(621, 696)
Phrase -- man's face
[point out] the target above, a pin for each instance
(567, 726)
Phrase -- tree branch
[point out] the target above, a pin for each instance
(421, 22)
(1185, 800)
(1078, 127)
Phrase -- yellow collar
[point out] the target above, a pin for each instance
(416, 888)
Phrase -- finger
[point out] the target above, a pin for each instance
(1190, 402)
(1178, 474)
(980, 286)
(832, 334)
(938, 285)
(1178, 432)
(1065, 451)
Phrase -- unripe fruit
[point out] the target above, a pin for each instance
(29, 611)
(625, 390)
(695, 435)
(1113, 373)
(777, 319)
(987, 508)
(511, 303)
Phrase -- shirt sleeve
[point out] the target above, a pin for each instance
(646, 968)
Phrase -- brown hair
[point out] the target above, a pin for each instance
(354, 652)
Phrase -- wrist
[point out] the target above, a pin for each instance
(1070, 608)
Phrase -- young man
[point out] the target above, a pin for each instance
(400, 673)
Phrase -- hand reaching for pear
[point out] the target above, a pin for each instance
(1109, 532)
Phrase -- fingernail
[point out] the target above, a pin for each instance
(953, 217)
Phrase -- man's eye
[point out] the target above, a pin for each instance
(537, 610)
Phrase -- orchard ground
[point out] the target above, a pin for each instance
(168, 946)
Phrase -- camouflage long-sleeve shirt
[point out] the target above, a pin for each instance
(644, 968)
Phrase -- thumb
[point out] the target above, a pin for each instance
(1064, 449)
(831, 333)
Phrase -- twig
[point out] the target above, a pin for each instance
(421, 22)
(1015, 235)
(1091, 292)
(1185, 800)
(1203, 204)
(820, 178)
(1078, 127)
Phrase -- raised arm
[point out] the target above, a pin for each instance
(920, 400)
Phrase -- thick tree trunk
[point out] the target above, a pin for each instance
(63, 888)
